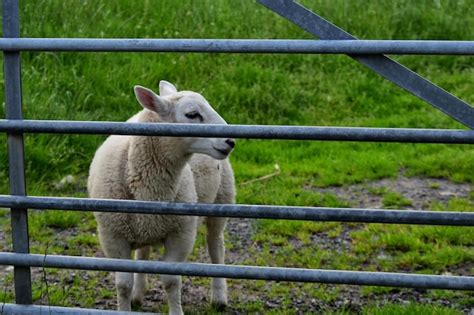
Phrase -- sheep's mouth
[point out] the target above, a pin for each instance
(223, 152)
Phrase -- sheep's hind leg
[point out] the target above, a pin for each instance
(177, 249)
(215, 234)
(216, 248)
(140, 279)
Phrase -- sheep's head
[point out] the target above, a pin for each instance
(186, 107)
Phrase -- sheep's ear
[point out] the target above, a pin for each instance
(167, 88)
(149, 100)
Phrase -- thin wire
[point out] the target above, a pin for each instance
(45, 279)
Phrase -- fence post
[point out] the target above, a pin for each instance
(13, 110)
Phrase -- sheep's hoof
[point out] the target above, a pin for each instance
(219, 293)
(219, 302)
(219, 306)
(137, 303)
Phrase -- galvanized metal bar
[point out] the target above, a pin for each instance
(243, 272)
(16, 309)
(386, 67)
(13, 110)
(399, 47)
(243, 131)
(244, 211)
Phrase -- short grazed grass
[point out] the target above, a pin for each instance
(392, 309)
(256, 89)
(395, 200)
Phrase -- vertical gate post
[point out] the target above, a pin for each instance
(13, 110)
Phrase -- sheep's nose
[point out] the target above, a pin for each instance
(230, 142)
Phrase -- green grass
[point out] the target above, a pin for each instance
(395, 200)
(326, 90)
(56, 219)
(417, 248)
(395, 309)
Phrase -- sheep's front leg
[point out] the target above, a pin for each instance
(124, 284)
(216, 248)
(119, 248)
(177, 249)
(140, 279)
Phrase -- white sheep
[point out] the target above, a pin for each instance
(163, 169)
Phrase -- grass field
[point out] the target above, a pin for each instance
(259, 89)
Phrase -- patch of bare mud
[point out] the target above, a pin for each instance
(422, 192)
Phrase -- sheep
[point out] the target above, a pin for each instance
(163, 169)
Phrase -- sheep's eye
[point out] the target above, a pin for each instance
(193, 115)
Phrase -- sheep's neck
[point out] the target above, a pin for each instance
(156, 164)
(159, 167)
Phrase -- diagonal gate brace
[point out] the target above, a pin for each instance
(385, 66)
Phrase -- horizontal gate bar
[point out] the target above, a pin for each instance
(243, 211)
(412, 47)
(17, 309)
(242, 131)
(243, 272)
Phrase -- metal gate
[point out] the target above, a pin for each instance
(333, 41)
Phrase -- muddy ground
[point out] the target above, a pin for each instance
(421, 191)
